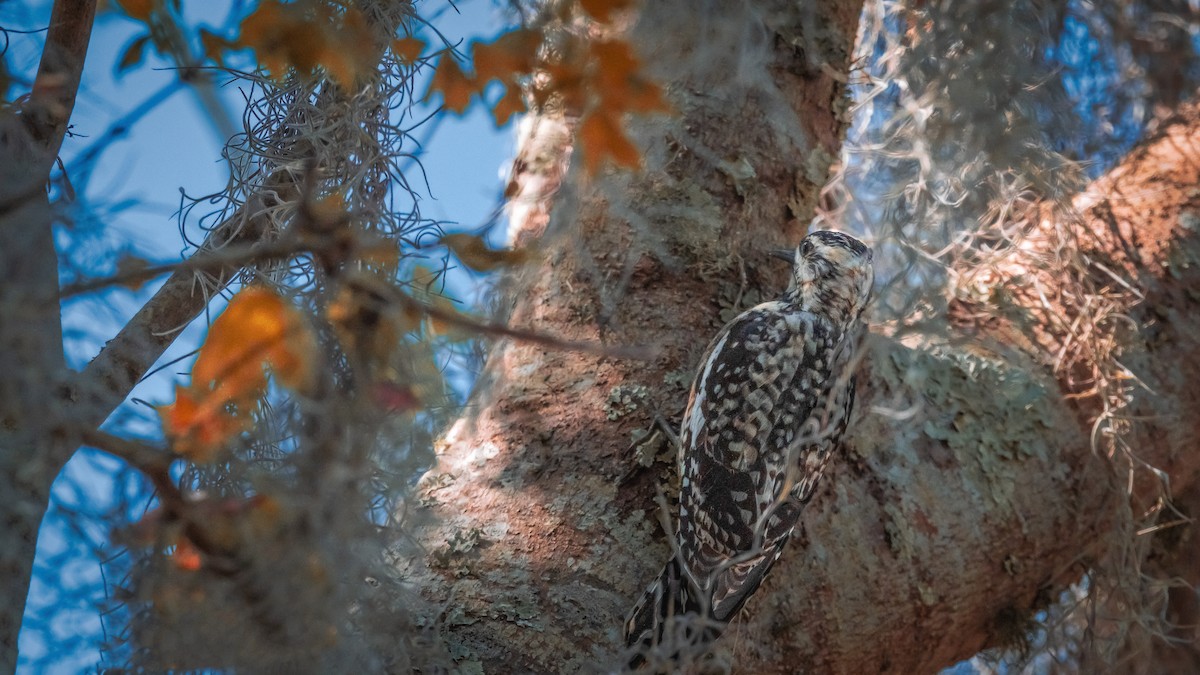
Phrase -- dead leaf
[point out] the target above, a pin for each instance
(619, 82)
(378, 252)
(367, 326)
(508, 57)
(615, 61)
(408, 49)
(601, 138)
(281, 36)
(214, 46)
(349, 52)
(512, 103)
(133, 54)
(131, 271)
(566, 82)
(474, 252)
(199, 429)
(454, 86)
(138, 9)
(257, 329)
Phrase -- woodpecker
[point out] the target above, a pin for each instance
(767, 409)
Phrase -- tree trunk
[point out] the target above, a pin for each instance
(944, 528)
(548, 525)
(31, 354)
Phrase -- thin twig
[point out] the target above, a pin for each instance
(495, 329)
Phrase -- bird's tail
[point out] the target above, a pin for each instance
(672, 618)
(675, 620)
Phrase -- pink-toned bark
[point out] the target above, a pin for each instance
(937, 535)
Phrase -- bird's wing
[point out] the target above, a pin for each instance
(761, 379)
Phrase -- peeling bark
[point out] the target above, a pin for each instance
(937, 535)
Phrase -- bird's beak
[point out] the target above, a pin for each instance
(788, 254)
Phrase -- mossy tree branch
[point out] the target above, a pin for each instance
(971, 493)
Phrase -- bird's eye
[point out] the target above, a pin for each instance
(806, 247)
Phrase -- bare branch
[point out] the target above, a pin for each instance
(154, 462)
(124, 360)
(499, 330)
(53, 97)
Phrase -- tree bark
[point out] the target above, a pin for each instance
(971, 491)
(31, 352)
(548, 528)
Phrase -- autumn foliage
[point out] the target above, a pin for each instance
(259, 332)
(597, 79)
(568, 60)
(315, 397)
(283, 36)
(600, 81)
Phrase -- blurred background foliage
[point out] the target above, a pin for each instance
(349, 338)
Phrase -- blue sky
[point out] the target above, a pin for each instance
(135, 189)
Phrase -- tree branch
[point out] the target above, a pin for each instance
(956, 524)
(126, 358)
(154, 463)
(541, 472)
(53, 98)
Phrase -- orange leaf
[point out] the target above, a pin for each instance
(339, 64)
(619, 82)
(281, 35)
(263, 28)
(474, 252)
(186, 556)
(601, 138)
(615, 63)
(214, 46)
(199, 430)
(327, 212)
(303, 45)
(408, 49)
(138, 9)
(507, 57)
(378, 251)
(644, 97)
(133, 54)
(602, 10)
(367, 324)
(456, 88)
(352, 52)
(565, 81)
(257, 329)
(512, 103)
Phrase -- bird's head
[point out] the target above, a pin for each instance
(832, 274)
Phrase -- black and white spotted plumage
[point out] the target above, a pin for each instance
(767, 409)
